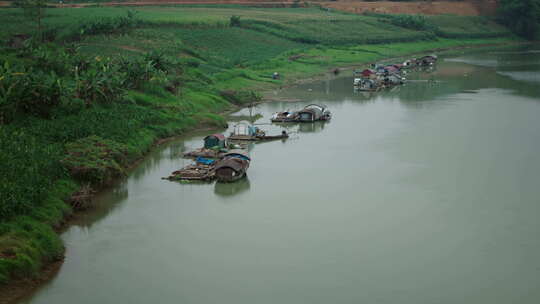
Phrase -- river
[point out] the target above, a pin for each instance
(428, 193)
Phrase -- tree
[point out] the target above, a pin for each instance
(521, 16)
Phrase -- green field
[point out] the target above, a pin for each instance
(80, 108)
(467, 27)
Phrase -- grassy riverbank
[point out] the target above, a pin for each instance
(78, 110)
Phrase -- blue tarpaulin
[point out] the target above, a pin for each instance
(206, 161)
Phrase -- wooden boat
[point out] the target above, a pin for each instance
(244, 131)
(233, 166)
(285, 116)
(283, 135)
(309, 113)
(201, 172)
(206, 153)
(247, 132)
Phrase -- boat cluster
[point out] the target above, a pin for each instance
(380, 77)
(226, 159)
(310, 113)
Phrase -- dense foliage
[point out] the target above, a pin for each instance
(522, 16)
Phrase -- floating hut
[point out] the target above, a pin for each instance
(233, 166)
(215, 140)
(313, 112)
(245, 131)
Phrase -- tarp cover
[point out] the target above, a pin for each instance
(234, 163)
(206, 161)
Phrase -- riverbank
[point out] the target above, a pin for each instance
(212, 80)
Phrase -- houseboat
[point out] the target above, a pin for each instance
(233, 166)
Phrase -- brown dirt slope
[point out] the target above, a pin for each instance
(464, 8)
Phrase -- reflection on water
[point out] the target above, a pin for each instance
(232, 189)
(104, 204)
(313, 127)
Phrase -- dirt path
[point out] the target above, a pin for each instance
(465, 8)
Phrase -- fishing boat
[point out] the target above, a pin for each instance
(309, 113)
(368, 85)
(285, 116)
(233, 166)
(314, 112)
(246, 132)
(283, 135)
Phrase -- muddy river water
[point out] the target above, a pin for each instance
(428, 193)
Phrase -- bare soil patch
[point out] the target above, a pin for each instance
(465, 8)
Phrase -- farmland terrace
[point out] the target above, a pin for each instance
(463, 8)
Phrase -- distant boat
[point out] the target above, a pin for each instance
(310, 113)
(313, 112)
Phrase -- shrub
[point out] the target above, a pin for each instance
(234, 21)
(102, 82)
(95, 160)
(240, 97)
(28, 91)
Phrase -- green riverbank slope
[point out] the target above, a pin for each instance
(97, 87)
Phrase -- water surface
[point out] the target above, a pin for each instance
(429, 193)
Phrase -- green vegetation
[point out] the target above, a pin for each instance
(79, 107)
(521, 16)
(448, 26)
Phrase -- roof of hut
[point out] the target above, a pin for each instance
(391, 69)
(217, 135)
(234, 163)
(239, 152)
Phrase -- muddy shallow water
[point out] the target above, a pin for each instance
(428, 193)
